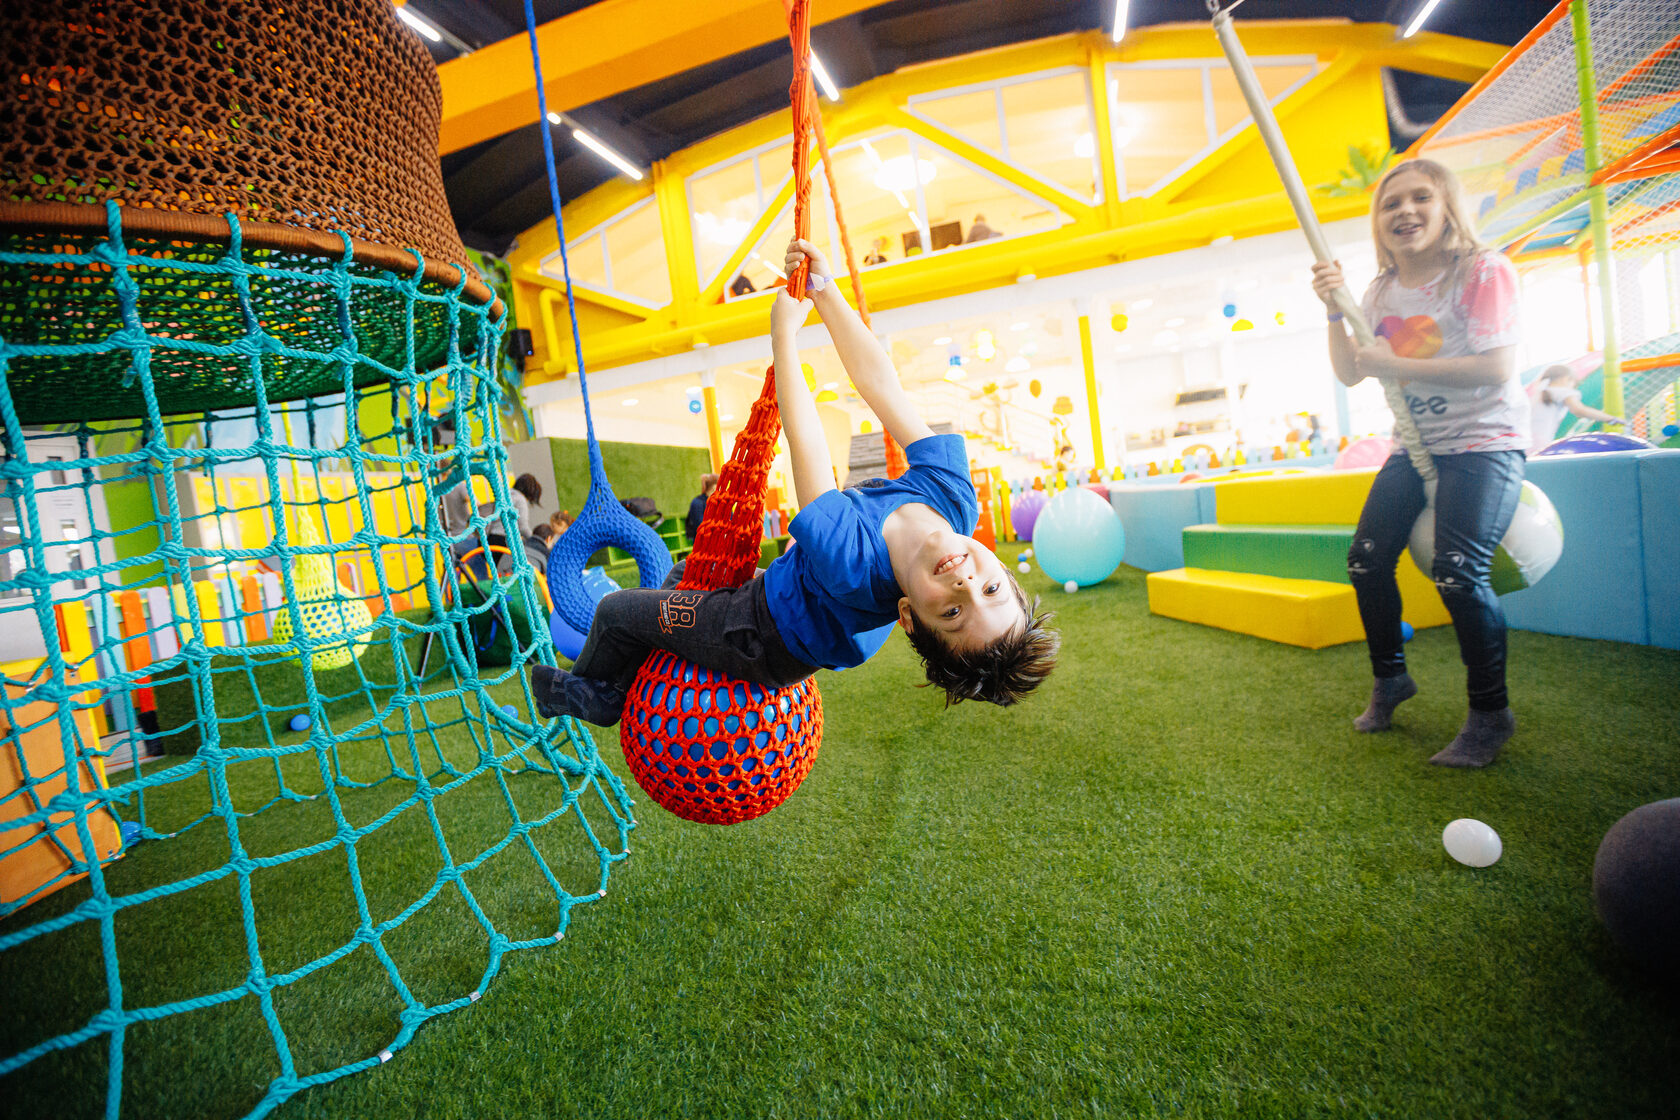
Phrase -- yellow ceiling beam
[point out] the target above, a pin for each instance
(601, 50)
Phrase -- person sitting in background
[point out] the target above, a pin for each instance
(1555, 392)
(525, 493)
(558, 522)
(741, 286)
(878, 252)
(980, 231)
(537, 546)
(697, 508)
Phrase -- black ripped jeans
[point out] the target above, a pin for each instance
(1475, 499)
(729, 630)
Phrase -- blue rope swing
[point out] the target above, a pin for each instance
(602, 521)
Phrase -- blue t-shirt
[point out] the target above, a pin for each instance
(832, 594)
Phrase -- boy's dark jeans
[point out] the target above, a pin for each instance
(1475, 499)
(729, 630)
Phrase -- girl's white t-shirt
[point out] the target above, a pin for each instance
(1441, 319)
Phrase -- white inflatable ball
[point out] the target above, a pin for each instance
(1527, 552)
(1026, 554)
(1071, 586)
(1023, 566)
(1472, 843)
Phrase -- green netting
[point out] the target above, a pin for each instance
(251, 564)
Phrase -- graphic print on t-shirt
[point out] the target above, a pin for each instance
(1417, 336)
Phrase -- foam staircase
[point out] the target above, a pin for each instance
(1275, 563)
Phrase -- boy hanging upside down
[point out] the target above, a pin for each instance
(862, 559)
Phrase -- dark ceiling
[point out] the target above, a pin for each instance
(497, 188)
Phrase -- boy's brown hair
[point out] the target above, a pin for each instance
(1002, 673)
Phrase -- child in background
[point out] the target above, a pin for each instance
(1444, 309)
(1554, 393)
(864, 559)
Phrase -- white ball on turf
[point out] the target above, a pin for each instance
(1070, 586)
(1026, 554)
(1472, 843)
(1024, 566)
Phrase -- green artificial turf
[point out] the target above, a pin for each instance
(1175, 882)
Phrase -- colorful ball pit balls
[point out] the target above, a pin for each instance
(1530, 547)
(1026, 554)
(1406, 631)
(1593, 443)
(1078, 538)
(300, 722)
(510, 711)
(1372, 451)
(1023, 514)
(1671, 430)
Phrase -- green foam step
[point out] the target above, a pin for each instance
(1286, 551)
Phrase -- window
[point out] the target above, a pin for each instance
(1041, 123)
(623, 257)
(903, 197)
(726, 201)
(1168, 115)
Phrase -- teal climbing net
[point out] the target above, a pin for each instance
(275, 792)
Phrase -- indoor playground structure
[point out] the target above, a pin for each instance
(1565, 152)
(285, 289)
(251, 356)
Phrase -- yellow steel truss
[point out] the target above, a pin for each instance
(1231, 191)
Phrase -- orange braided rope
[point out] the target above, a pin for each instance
(807, 118)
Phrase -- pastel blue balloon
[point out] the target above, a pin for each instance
(1078, 537)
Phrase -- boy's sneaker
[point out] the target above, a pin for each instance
(559, 693)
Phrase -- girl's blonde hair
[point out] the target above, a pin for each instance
(1459, 236)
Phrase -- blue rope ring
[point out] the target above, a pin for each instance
(601, 522)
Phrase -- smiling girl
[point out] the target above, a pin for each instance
(1444, 309)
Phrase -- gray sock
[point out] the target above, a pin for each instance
(1387, 693)
(1479, 739)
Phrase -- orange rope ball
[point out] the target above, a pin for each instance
(706, 746)
(713, 749)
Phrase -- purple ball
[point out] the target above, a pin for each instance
(1593, 443)
(1024, 512)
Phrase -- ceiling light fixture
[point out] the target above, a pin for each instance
(433, 33)
(1021, 326)
(942, 340)
(606, 153)
(1417, 21)
(1119, 31)
(830, 90)
(630, 402)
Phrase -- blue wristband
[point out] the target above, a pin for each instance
(1333, 317)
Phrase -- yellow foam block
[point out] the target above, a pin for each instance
(36, 855)
(1299, 612)
(1312, 498)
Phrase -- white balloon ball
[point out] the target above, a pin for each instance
(1024, 566)
(1026, 554)
(1070, 586)
(1472, 843)
(1529, 549)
